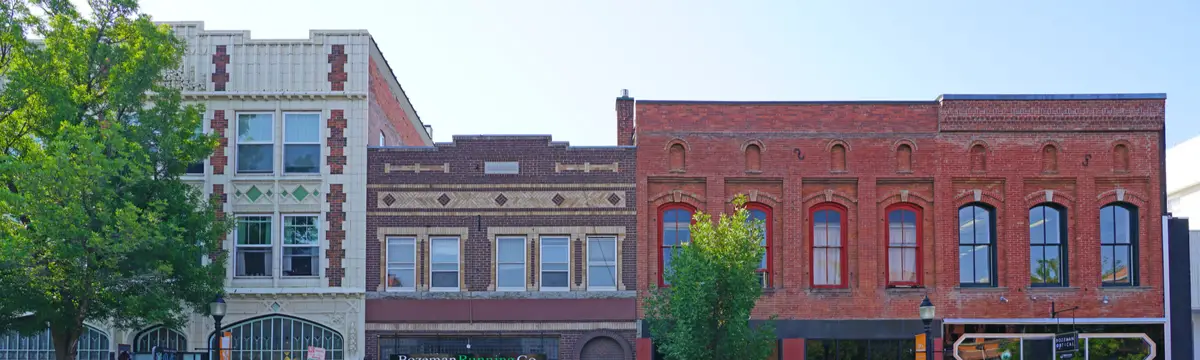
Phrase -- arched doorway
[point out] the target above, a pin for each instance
(281, 337)
(92, 345)
(159, 338)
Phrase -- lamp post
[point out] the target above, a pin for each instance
(927, 311)
(217, 309)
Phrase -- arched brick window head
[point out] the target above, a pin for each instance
(753, 158)
(978, 158)
(1049, 159)
(904, 158)
(678, 157)
(1120, 158)
(837, 156)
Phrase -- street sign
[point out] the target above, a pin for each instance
(315, 353)
(920, 348)
(1066, 344)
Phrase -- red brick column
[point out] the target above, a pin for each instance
(336, 141)
(645, 349)
(793, 349)
(218, 159)
(335, 235)
(337, 68)
(220, 76)
(218, 199)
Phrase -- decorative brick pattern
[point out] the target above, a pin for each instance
(218, 200)
(337, 141)
(220, 75)
(337, 68)
(335, 234)
(219, 160)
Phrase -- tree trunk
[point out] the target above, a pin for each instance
(65, 340)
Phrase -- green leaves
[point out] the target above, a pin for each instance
(705, 312)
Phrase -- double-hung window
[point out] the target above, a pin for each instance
(1118, 245)
(602, 263)
(673, 223)
(829, 255)
(301, 143)
(903, 245)
(401, 263)
(555, 263)
(252, 243)
(760, 218)
(510, 263)
(976, 246)
(255, 143)
(1047, 246)
(444, 264)
(300, 245)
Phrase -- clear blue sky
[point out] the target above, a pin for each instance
(555, 67)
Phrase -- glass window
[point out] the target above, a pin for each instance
(976, 248)
(253, 246)
(828, 230)
(675, 223)
(302, 143)
(401, 263)
(482, 347)
(885, 349)
(444, 265)
(510, 264)
(256, 143)
(160, 338)
(300, 245)
(759, 215)
(1047, 246)
(602, 263)
(903, 246)
(279, 337)
(555, 263)
(197, 167)
(1118, 245)
(501, 167)
(92, 345)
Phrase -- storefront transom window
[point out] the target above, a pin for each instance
(280, 337)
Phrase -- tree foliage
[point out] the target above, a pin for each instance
(714, 284)
(95, 223)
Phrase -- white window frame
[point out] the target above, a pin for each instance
(285, 142)
(611, 262)
(542, 264)
(270, 247)
(389, 264)
(237, 156)
(283, 245)
(501, 167)
(457, 263)
(524, 262)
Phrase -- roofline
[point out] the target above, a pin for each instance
(500, 137)
(832, 102)
(422, 126)
(1126, 96)
(1122, 96)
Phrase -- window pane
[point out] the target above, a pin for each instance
(1037, 265)
(1053, 225)
(254, 262)
(1052, 265)
(554, 279)
(820, 233)
(554, 266)
(966, 264)
(1037, 225)
(444, 267)
(667, 260)
(820, 266)
(1107, 225)
(910, 265)
(983, 226)
(602, 276)
(444, 279)
(554, 250)
(300, 230)
(834, 259)
(1107, 263)
(1122, 224)
(255, 158)
(254, 230)
(510, 276)
(602, 250)
(833, 236)
(982, 262)
(401, 251)
(302, 128)
(302, 158)
(256, 128)
(299, 261)
(511, 250)
(1121, 263)
(444, 250)
(400, 278)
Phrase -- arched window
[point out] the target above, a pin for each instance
(1048, 245)
(1049, 159)
(281, 337)
(828, 246)
(160, 338)
(904, 158)
(92, 345)
(753, 158)
(904, 245)
(837, 157)
(673, 223)
(977, 245)
(678, 157)
(760, 215)
(978, 158)
(1118, 245)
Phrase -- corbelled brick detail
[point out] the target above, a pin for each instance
(336, 141)
(219, 160)
(220, 76)
(337, 68)
(336, 197)
(1052, 115)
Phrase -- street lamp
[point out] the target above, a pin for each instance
(927, 311)
(217, 309)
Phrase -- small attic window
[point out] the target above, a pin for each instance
(501, 167)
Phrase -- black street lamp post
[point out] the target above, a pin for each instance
(927, 312)
(217, 309)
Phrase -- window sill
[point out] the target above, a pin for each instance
(754, 172)
(1052, 289)
(829, 291)
(982, 289)
(300, 277)
(1112, 288)
(907, 290)
(400, 290)
(245, 277)
(444, 290)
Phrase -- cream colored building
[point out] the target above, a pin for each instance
(296, 117)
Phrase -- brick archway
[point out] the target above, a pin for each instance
(603, 345)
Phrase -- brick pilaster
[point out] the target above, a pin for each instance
(218, 200)
(336, 197)
(220, 76)
(336, 141)
(337, 68)
(219, 160)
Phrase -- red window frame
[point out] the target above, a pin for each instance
(662, 210)
(768, 224)
(843, 247)
(887, 244)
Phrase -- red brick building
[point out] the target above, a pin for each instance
(993, 206)
(501, 246)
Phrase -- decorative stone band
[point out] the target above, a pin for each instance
(586, 167)
(508, 326)
(591, 199)
(416, 168)
(615, 186)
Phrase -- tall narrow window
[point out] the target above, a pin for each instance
(1049, 159)
(253, 246)
(678, 157)
(302, 143)
(300, 245)
(556, 269)
(904, 158)
(444, 264)
(978, 158)
(602, 263)
(1047, 246)
(256, 143)
(510, 263)
(837, 155)
(1120, 158)
(674, 222)
(1118, 245)
(760, 216)
(197, 168)
(401, 263)
(904, 245)
(976, 246)
(829, 255)
(753, 158)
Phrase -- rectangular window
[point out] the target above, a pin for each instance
(510, 264)
(903, 234)
(197, 168)
(256, 143)
(1118, 245)
(301, 248)
(444, 264)
(1047, 246)
(302, 143)
(555, 263)
(602, 263)
(501, 167)
(253, 246)
(828, 256)
(401, 263)
(976, 248)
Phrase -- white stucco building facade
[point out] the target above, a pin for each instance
(1183, 200)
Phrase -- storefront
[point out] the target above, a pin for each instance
(485, 346)
(1036, 341)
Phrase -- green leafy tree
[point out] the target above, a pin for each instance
(95, 224)
(705, 313)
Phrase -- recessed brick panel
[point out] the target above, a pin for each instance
(337, 141)
(220, 60)
(337, 68)
(336, 234)
(219, 160)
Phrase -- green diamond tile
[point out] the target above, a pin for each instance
(254, 193)
(300, 193)
(275, 307)
(269, 192)
(284, 193)
(237, 193)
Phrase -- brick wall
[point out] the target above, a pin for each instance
(386, 113)
(797, 173)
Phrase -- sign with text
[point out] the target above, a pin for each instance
(1066, 344)
(315, 353)
(467, 357)
(226, 345)
(920, 347)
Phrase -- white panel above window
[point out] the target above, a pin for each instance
(501, 167)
